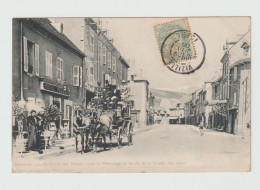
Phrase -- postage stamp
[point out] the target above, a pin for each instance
(178, 46)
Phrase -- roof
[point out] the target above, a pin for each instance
(226, 54)
(46, 24)
(146, 81)
(124, 61)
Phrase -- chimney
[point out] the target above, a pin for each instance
(132, 77)
(61, 28)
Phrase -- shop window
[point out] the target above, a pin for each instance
(48, 60)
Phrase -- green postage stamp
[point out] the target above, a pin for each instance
(176, 45)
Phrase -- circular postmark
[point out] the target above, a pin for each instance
(183, 52)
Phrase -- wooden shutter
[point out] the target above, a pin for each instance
(80, 76)
(36, 64)
(75, 75)
(25, 54)
(62, 70)
(235, 73)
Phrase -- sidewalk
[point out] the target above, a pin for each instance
(58, 148)
(66, 145)
(210, 131)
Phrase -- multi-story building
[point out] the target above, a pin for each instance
(140, 94)
(176, 114)
(218, 114)
(47, 67)
(237, 59)
(104, 61)
(187, 111)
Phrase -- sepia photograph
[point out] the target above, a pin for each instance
(131, 94)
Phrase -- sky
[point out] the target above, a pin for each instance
(135, 39)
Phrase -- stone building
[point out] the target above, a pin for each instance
(47, 67)
(104, 61)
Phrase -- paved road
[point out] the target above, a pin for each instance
(167, 148)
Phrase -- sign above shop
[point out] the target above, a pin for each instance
(44, 86)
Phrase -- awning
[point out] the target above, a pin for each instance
(173, 117)
(214, 102)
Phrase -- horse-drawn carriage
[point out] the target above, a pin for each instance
(106, 117)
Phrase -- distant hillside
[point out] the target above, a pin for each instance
(173, 97)
(167, 94)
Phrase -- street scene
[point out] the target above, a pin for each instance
(156, 143)
(131, 95)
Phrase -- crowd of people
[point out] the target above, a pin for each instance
(107, 97)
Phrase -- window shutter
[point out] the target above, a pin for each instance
(80, 76)
(36, 64)
(50, 65)
(25, 54)
(75, 75)
(235, 73)
(62, 71)
(58, 69)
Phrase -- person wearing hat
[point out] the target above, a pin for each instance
(32, 121)
(124, 90)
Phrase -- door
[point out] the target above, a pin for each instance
(233, 121)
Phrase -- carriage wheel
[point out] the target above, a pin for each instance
(130, 133)
(119, 137)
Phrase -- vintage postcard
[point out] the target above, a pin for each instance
(124, 95)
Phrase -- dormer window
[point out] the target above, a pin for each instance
(245, 47)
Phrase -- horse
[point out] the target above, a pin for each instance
(82, 131)
(103, 128)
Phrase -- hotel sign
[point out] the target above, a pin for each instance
(44, 86)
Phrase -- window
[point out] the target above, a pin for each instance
(245, 47)
(235, 73)
(91, 75)
(104, 55)
(247, 94)
(120, 71)
(109, 60)
(113, 64)
(31, 57)
(235, 99)
(48, 60)
(108, 77)
(80, 76)
(99, 51)
(75, 75)
(113, 81)
(60, 75)
(30, 52)
(91, 43)
(246, 50)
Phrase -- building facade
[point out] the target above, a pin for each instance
(47, 68)
(140, 94)
(238, 59)
(176, 114)
(104, 61)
